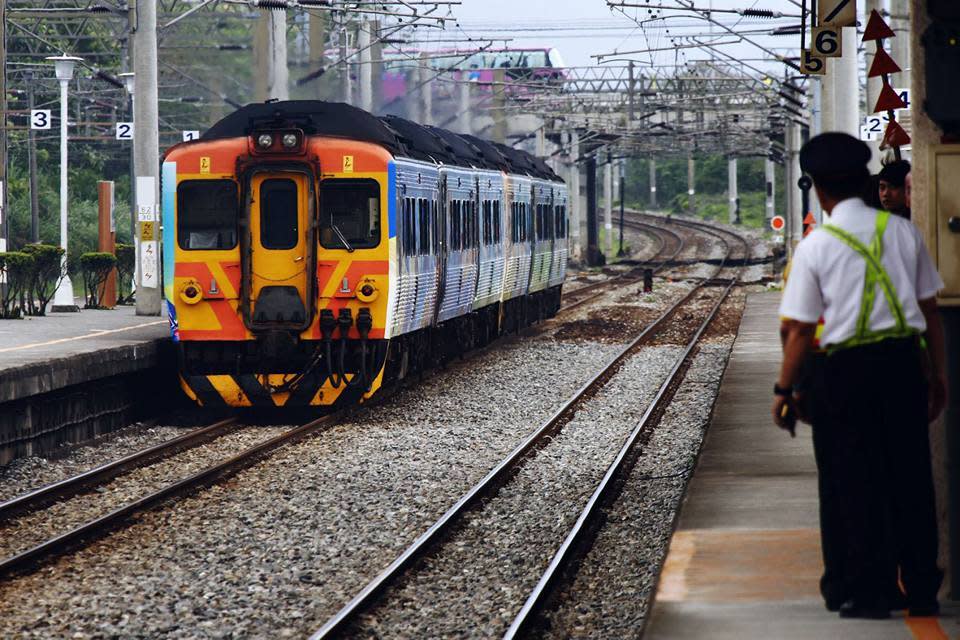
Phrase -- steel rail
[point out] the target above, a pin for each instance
(70, 487)
(574, 544)
(32, 558)
(489, 484)
(660, 232)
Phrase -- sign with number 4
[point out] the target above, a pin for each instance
(40, 118)
(124, 131)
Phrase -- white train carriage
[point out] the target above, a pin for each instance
(543, 245)
(461, 242)
(414, 272)
(492, 254)
(561, 249)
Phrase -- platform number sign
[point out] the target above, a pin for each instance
(811, 64)
(191, 135)
(40, 119)
(871, 129)
(839, 13)
(124, 131)
(827, 41)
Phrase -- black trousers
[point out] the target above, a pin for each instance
(876, 488)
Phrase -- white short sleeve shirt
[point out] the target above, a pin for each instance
(826, 276)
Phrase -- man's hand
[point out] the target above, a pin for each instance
(936, 398)
(785, 414)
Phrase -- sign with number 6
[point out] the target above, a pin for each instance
(827, 41)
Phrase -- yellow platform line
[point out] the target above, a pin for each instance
(926, 629)
(99, 333)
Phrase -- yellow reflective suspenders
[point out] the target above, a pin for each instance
(874, 275)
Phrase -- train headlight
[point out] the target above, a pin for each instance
(290, 140)
(367, 292)
(265, 141)
(191, 293)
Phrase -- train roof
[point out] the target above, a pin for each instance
(315, 117)
(419, 143)
(398, 135)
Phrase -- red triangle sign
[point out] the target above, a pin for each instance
(882, 63)
(889, 100)
(810, 219)
(877, 28)
(895, 136)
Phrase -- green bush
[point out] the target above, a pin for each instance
(45, 276)
(126, 260)
(96, 268)
(15, 270)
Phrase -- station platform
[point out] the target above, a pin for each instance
(744, 561)
(66, 377)
(39, 354)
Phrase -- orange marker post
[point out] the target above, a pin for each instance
(107, 237)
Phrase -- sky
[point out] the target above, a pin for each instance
(581, 28)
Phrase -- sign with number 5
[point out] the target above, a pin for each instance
(812, 65)
(40, 119)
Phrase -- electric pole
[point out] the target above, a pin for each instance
(4, 226)
(146, 145)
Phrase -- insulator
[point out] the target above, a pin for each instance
(759, 13)
(275, 5)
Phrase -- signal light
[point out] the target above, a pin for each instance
(265, 141)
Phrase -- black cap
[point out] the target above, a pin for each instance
(895, 173)
(834, 154)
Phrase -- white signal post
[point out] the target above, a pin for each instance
(63, 297)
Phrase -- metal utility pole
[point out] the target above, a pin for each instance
(770, 175)
(575, 202)
(846, 87)
(623, 181)
(278, 77)
(32, 167)
(346, 91)
(425, 91)
(63, 297)
(732, 193)
(317, 31)
(691, 185)
(608, 200)
(463, 109)
(4, 226)
(146, 156)
(499, 103)
(366, 71)
(653, 183)
(376, 67)
(594, 257)
(631, 91)
(795, 211)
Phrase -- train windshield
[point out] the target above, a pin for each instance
(349, 214)
(207, 212)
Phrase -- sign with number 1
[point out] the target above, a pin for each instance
(839, 13)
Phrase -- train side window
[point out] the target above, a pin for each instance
(279, 209)
(496, 221)
(435, 225)
(425, 227)
(487, 223)
(349, 213)
(207, 213)
(455, 225)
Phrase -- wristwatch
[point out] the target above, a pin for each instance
(780, 391)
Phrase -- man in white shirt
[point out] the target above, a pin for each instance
(868, 274)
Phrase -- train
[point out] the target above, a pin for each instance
(314, 253)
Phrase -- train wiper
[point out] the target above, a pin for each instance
(343, 239)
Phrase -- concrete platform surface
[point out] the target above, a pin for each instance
(745, 559)
(42, 354)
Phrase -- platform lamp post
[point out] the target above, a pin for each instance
(63, 298)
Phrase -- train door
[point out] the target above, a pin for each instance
(280, 252)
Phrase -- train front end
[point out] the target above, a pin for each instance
(276, 266)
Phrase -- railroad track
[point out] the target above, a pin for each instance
(446, 527)
(76, 537)
(669, 245)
